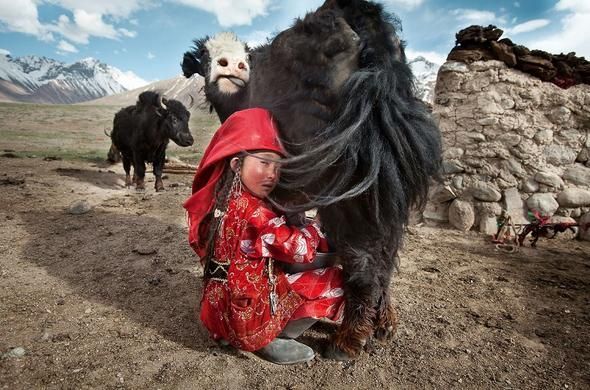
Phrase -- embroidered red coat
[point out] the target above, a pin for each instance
(239, 310)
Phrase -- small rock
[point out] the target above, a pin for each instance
(574, 197)
(461, 215)
(141, 250)
(545, 204)
(17, 352)
(488, 225)
(79, 207)
(486, 192)
(550, 179)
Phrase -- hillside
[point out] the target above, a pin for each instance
(179, 88)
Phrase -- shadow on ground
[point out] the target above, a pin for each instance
(134, 263)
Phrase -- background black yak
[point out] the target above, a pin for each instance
(141, 134)
(339, 79)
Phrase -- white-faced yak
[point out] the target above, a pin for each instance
(363, 146)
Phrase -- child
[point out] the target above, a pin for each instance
(248, 301)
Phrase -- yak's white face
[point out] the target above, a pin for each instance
(230, 67)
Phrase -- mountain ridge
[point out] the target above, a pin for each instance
(38, 79)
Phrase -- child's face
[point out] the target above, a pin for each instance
(259, 175)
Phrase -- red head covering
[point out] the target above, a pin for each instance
(251, 129)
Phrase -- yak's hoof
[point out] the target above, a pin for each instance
(335, 353)
(384, 334)
(160, 188)
(139, 185)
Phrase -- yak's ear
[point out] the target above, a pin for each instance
(194, 61)
(191, 65)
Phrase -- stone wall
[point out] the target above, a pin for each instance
(510, 141)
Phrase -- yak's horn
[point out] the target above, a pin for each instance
(162, 101)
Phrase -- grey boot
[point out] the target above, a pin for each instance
(285, 351)
(296, 328)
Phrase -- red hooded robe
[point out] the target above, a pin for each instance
(251, 238)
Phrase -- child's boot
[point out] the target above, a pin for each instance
(285, 351)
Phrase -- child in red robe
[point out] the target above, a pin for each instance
(248, 301)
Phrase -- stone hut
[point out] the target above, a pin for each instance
(516, 134)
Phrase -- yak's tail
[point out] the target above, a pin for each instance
(383, 146)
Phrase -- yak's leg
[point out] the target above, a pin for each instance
(385, 323)
(127, 168)
(360, 286)
(139, 172)
(385, 318)
(158, 168)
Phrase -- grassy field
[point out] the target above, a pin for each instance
(76, 132)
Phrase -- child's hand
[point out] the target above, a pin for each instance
(296, 219)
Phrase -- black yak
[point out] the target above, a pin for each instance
(363, 146)
(141, 134)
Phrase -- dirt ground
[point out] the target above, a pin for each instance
(107, 299)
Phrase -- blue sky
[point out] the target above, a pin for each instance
(149, 37)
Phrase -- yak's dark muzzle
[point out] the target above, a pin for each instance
(184, 140)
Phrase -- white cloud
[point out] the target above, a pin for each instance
(474, 16)
(115, 8)
(66, 47)
(231, 13)
(528, 26)
(22, 16)
(256, 38)
(87, 20)
(573, 35)
(92, 24)
(151, 55)
(582, 6)
(406, 4)
(70, 30)
(4, 52)
(517, 4)
(127, 33)
(431, 56)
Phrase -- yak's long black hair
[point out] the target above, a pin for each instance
(380, 147)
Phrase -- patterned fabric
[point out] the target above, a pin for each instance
(239, 309)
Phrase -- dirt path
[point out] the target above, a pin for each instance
(107, 299)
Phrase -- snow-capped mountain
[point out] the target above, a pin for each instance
(425, 73)
(45, 80)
